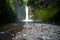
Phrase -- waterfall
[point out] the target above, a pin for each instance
(26, 10)
(27, 18)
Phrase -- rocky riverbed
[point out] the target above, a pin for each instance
(38, 31)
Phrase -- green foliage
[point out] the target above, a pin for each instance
(40, 11)
(19, 1)
(11, 4)
(25, 2)
(46, 12)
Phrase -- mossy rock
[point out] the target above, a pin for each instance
(45, 13)
(11, 5)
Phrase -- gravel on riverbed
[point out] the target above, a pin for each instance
(38, 31)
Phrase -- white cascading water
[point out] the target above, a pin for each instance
(27, 19)
(26, 10)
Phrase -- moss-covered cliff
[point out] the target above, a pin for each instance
(45, 9)
(6, 14)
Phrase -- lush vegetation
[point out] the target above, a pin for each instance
(44, 11)
(10, 3)
(40, 9)
(7, 15)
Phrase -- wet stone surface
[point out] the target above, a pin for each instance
(38, 31)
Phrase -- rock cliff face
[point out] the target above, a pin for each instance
(6, 15)
(39, 9)
(20, 10)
